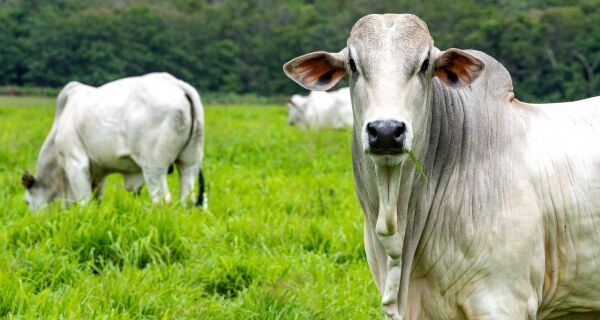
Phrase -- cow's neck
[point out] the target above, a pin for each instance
(49, 170)
(459, 149)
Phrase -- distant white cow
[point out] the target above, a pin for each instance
(135, 126)
(321, 109)
(507, 225)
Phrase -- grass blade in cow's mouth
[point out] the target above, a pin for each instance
(417, 165)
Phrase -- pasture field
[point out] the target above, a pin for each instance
(282, 238)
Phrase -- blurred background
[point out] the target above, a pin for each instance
(283, 238)
(227, 48)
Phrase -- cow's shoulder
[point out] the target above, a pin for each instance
(67, 96)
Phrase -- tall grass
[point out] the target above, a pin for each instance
(282, 238)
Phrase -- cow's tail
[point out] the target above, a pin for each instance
(196, 132)
(202, 202)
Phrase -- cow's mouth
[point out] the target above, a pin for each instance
(397, 152)
(388, 159)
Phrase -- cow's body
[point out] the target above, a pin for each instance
(511, 211)
(134, 126)
(321, 109)
(508, 224)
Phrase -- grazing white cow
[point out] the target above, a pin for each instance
(507, 225)
(135, 126)
(321, 109)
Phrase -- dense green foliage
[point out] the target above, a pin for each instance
(552, 48)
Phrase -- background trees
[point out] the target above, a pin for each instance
(552, 48)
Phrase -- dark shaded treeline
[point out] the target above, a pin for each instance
(552, 48)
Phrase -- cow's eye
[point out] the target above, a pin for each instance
(352, 65)
(425, 65)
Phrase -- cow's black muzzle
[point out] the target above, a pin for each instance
(386, 137)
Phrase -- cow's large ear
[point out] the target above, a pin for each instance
(27, 180)
(316, 71)
(457, 69)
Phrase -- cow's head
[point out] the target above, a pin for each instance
(37, 192)
(297, 109)
(391, 62)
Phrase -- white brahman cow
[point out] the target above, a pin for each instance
(507, 223)
(135, 126)
(321, 109)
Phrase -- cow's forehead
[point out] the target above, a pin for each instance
(394, 32)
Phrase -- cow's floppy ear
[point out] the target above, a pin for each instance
(27, 180)
(457, 69)
(317, 71)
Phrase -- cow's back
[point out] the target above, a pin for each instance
(329, 109)
(127, 118)
(344, 107)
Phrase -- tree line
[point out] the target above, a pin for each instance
(551, 48)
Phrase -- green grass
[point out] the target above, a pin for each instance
(282, 238)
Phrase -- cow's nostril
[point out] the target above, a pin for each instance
(400, 130)
(371, 130)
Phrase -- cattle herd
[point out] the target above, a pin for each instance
(505, 225)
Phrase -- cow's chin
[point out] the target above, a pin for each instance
(388, 160)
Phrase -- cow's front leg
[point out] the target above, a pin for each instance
(388, 182)
(79, 182)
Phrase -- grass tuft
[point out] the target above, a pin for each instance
(228, 283)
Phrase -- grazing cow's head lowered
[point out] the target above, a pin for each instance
(390, 61)
(49, 180)
(37, 191)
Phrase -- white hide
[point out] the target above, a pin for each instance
(321, 109)
(135, 126)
